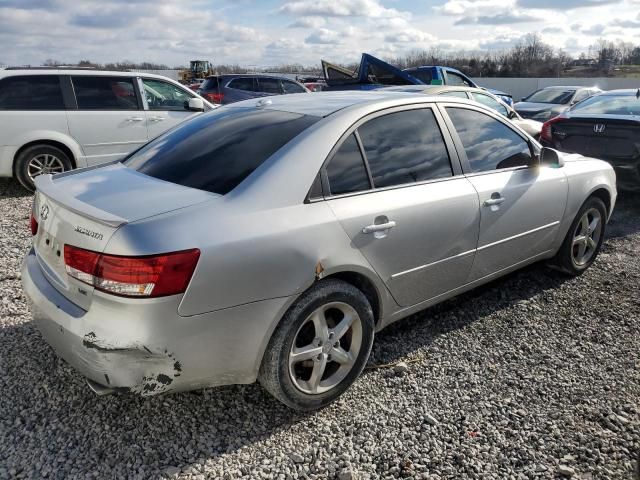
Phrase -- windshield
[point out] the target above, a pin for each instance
(551, 95)
(609, 105)
(217, 151)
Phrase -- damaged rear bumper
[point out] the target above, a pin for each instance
(146, 346)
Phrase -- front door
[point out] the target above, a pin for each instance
(109, 122)
(166, 105)
(521, 203)
(404, 205)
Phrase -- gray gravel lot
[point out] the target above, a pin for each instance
(533, 376)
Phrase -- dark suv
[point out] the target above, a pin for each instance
(225, 89)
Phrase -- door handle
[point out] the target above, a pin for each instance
(156, 119)
(494, 200)
(135, 119)
(379, 227)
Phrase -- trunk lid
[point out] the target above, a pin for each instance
(84, 209)
(606, 137)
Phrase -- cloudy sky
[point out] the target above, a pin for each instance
(271, 32)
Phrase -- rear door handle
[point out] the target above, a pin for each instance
(156, 119)
(493, 201)
(379, 227)
(135, 119)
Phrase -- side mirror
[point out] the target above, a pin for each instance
(195, 105)
(550, 158)
(511, 115)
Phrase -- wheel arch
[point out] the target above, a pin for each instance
(69, 148)
(366, 286)
(604, 195)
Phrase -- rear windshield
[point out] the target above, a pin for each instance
(610, 105)
(556, 96)
(216, 151)
(209, 84)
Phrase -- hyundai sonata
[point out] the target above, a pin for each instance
(270, 239)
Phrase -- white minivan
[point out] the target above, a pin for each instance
(55, 119)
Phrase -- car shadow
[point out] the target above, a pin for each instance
(624, 221)
(10, 188)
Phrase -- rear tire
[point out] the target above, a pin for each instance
(584, 239)
(320, 346)
(40, 159)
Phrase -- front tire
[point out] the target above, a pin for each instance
(320, 347)
(40, 159)
(584, 239)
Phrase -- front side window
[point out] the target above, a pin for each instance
(243, 83)
(492, 103)
(105, 93)
(35, 92)
(489, 143)
(346, 171)
(164, 96)
(291, 87)
(218, 150)
(405, 147)
(269, 85)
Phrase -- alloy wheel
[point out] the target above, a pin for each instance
(43, 164)
(586, 237)
(325, 348)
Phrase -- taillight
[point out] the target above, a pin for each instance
(33, 224)
(546, 132)
(214, 97)
(148, 276)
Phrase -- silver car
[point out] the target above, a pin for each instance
(270, 239)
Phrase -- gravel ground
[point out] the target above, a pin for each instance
(532, 376)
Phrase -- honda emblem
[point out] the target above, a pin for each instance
(599, 127)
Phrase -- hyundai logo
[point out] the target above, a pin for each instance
(44, 212)
(599, 127)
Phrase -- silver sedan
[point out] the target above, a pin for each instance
(268, 240)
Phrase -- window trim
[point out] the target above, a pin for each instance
(454, 158)
(462, 154)
(27, 75)
(133, 80)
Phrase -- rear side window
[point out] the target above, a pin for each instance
(454, 94)
(36, 92)
(105, 93)
(346, 171)
(405, 147)
(217, 151)
(489, 144)
(269, 85)
(243, 83)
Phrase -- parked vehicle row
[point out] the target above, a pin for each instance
(269, 240)
(56, 119)
(605, 126)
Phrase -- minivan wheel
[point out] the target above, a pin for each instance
(584, 239)
(320, 347)
(37, 160)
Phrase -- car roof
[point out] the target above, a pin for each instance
(251, 75)
(433, 88)
(569, 87)
(322, 104)
(72, 72)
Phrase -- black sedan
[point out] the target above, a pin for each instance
(605, 126)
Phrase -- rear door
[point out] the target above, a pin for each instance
(521, 203)
(166, 105)
(108, 120)
(395, 185)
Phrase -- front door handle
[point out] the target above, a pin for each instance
(379, 227)
(156, 119)
(135, 119)
(495, 199)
